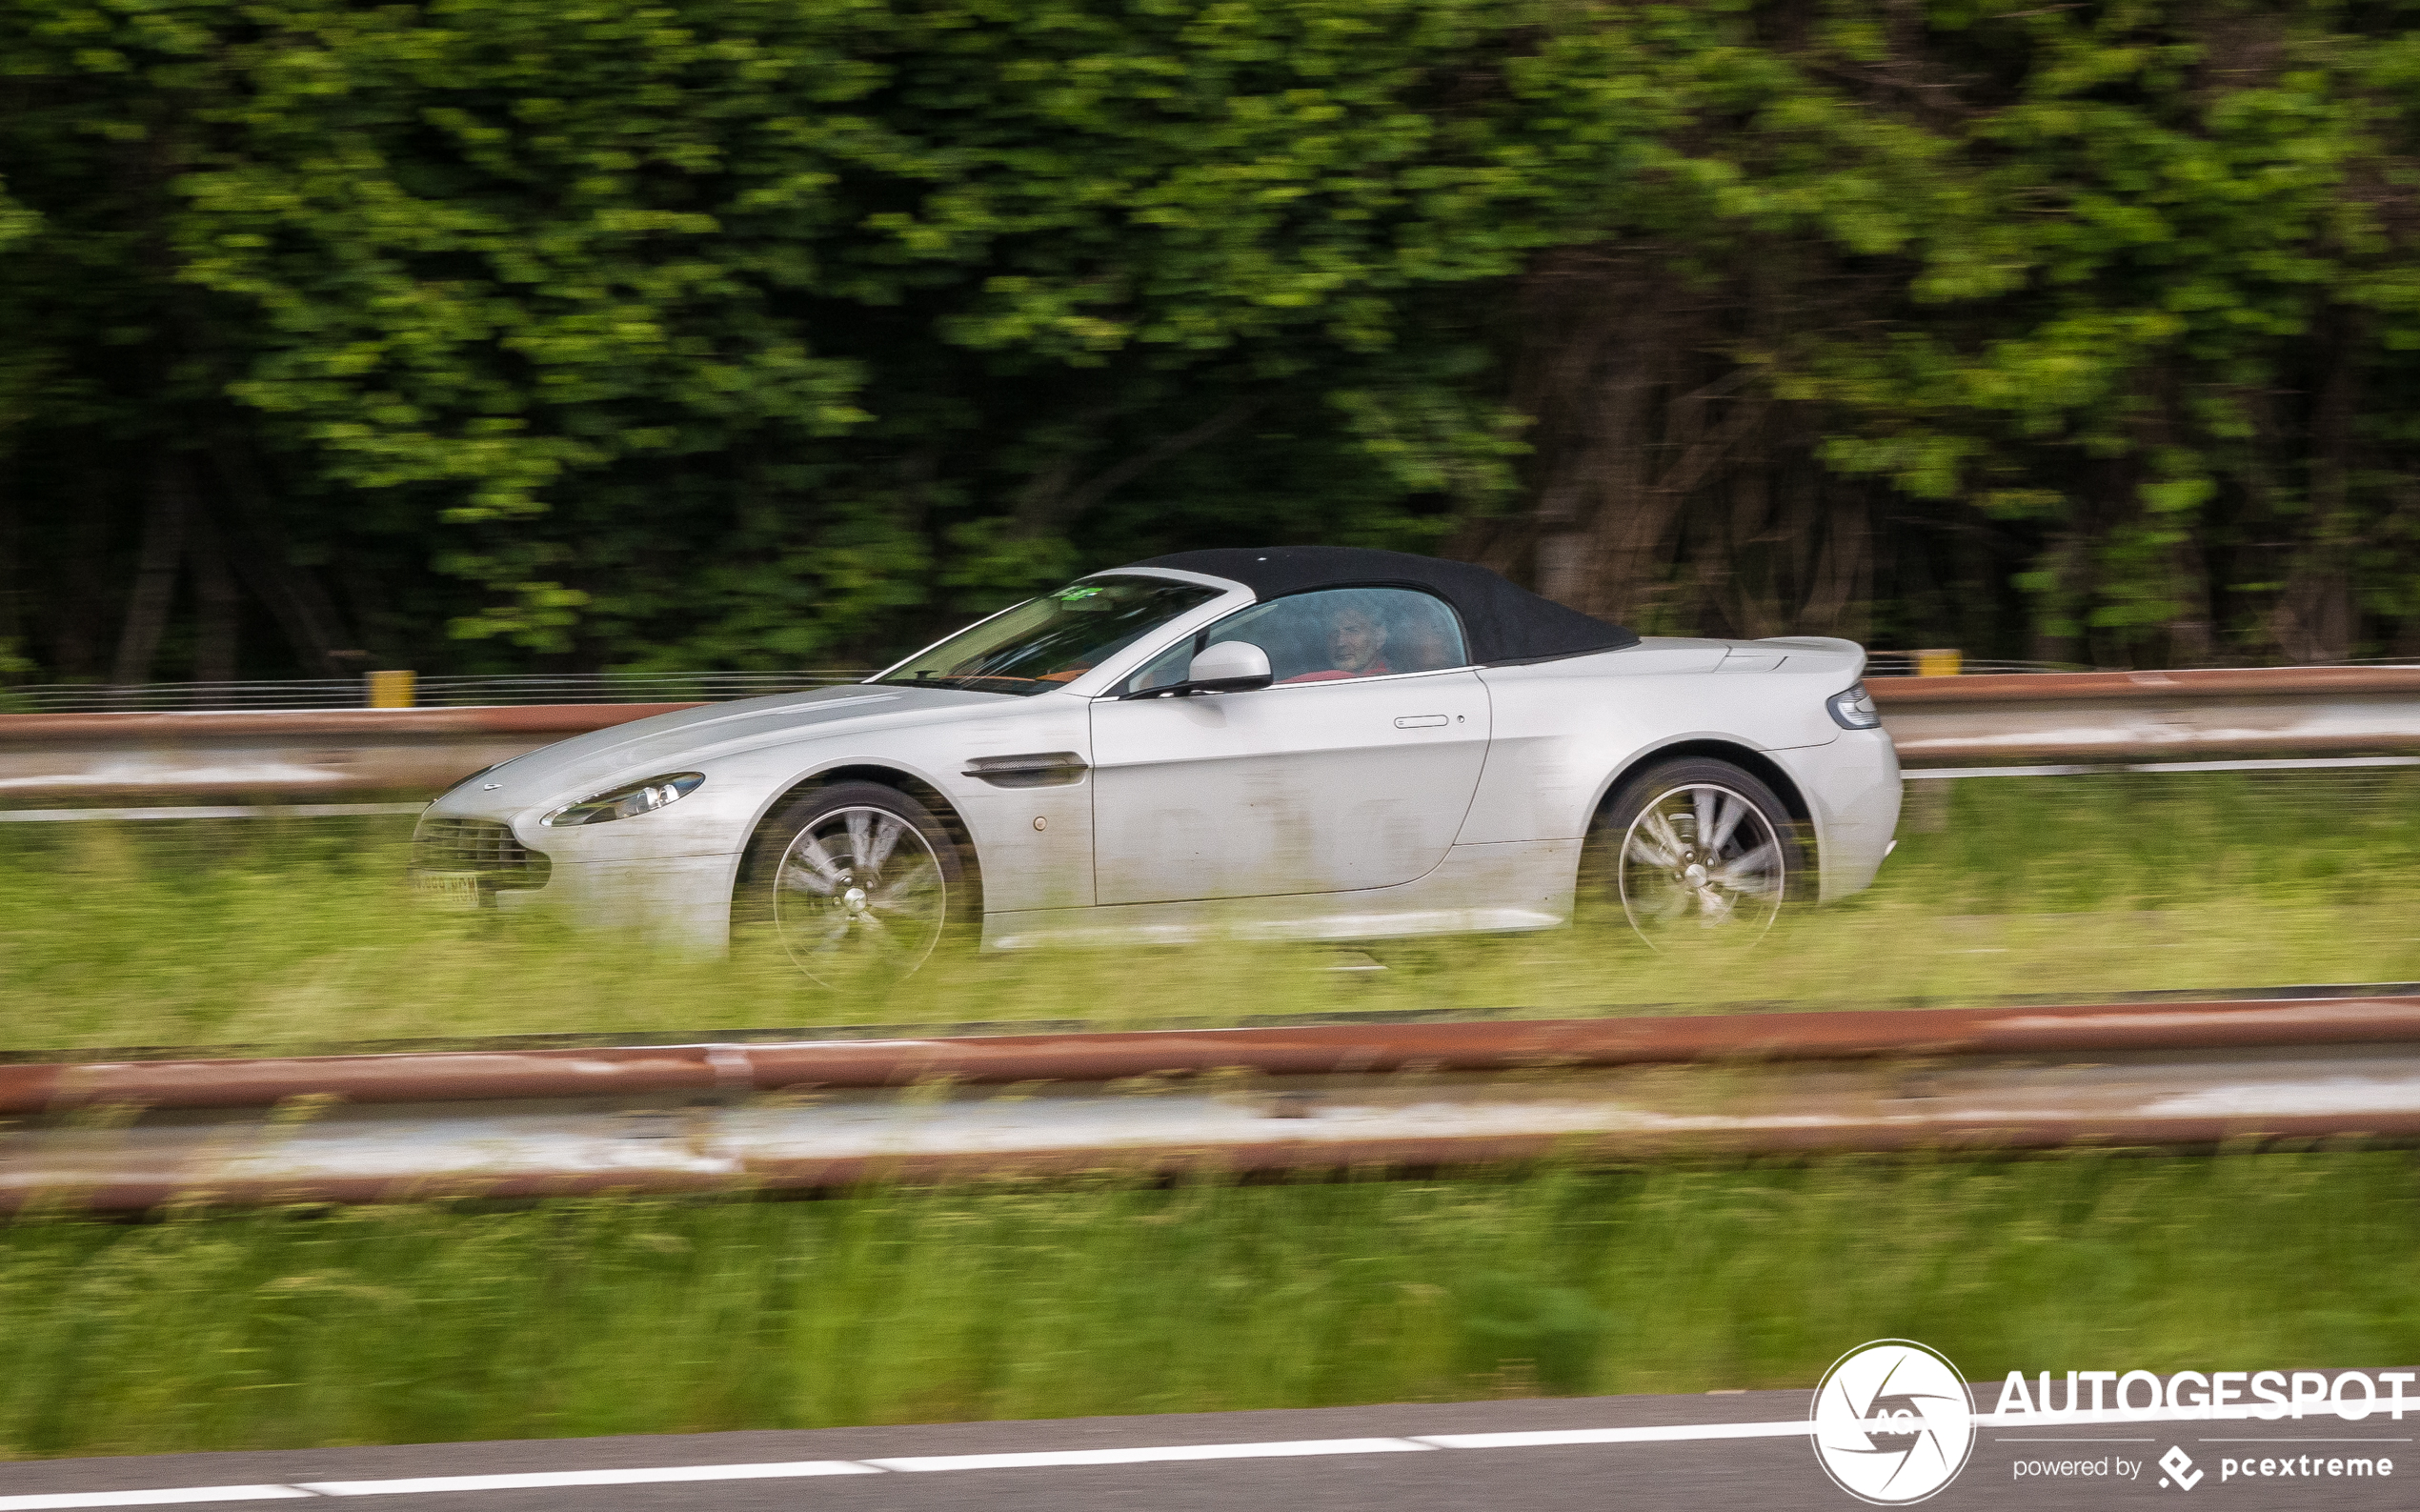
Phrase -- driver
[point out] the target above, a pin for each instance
(1356, 646)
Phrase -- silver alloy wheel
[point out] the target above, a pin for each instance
(858, 892)
(1700, 859)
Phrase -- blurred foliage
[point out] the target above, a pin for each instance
(310, 1328)
(756, 333)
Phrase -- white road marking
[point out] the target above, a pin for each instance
(1162, 1454)
(1165, 1454)
(1547, 1437)
(1157, 1456)
(541, 1478)
(169, 1497)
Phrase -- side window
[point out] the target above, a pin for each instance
(1327, 636)
(1168, 668)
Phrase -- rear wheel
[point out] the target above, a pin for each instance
(858, 883)
(1695, 852)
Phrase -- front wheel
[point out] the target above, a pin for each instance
(857, 882)
(1695, 851)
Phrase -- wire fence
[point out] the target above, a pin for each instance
(591, 687)
(439, 692)
(1912, 664)
(380, 690)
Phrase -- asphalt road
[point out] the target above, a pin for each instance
(1337, 1457)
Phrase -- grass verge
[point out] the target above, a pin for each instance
(300, 933)
(285, 1329)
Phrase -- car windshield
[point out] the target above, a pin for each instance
(1045, 642)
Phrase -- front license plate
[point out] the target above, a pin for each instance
(459, 889)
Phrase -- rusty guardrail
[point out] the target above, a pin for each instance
(287, 754)
(2097, 717)
(1294, 1051)
(132, 1135)
(2127, 717)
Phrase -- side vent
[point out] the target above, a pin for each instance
(1048, 768)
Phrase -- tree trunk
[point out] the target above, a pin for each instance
(13, 614)
(147, 606)
(217, 605)
(2316, 619)
(292, 596)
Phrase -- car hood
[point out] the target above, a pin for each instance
(686, 738)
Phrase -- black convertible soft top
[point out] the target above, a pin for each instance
(1503, 623)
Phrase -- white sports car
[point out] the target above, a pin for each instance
(1310, 743)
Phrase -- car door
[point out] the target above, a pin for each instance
(1353, 769)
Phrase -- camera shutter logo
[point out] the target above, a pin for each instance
(1893, 1423)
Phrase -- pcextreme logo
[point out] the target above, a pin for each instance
(2179, 1467)
(1893, 1423)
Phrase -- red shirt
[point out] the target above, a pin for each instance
(1375, 669)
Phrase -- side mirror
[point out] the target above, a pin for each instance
(1231, 666)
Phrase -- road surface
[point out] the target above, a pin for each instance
(1386, 1459)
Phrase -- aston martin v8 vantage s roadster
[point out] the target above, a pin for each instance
(1311, 743)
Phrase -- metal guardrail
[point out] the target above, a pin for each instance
(77, 760)
(2337, 1018)
(289, 756)
(2152, 716)
(742, 1117)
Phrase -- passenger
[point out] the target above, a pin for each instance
(1420, 645)
(1355, 647)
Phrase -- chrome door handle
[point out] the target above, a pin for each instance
(1420, 721)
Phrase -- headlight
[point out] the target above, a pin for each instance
(628, 802)
(1853, 708)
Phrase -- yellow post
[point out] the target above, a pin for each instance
(391, 689)
(1938, 663)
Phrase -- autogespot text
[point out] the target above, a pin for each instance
(2139, 1396)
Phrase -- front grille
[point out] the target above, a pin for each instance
(480, 847)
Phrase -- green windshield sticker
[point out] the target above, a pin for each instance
(1068, 595)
